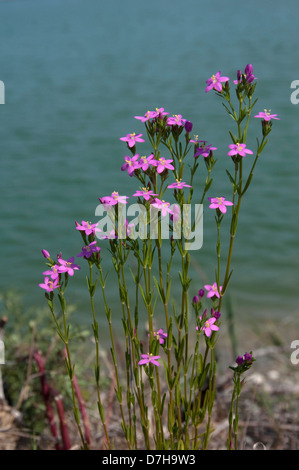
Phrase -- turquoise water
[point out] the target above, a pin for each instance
(75, 74)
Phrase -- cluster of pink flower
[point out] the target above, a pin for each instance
(52, 275)
(161, 336)
(132, 163)
(137, 162)
(207, 324)
(215, 82)
(144, 163)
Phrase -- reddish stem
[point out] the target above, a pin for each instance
(46, 395)
(63, 426)
(49, 393)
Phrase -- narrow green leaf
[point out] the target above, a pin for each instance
(101, 411)
(162, 295)
(76, 414)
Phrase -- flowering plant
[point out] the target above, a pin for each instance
(177, 414)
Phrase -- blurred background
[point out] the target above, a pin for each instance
(76, 72)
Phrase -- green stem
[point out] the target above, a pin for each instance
(171, 403)
(70, 366)
(97, 368)
(108, 314)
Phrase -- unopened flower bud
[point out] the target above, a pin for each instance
(239, 360)
(217, 315)
(248, 70)
(250, 78)
(201, 293)
(204, 315)
(248, 357)
(188, 126)
(46, 254)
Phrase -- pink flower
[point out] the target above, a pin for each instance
(53, 272)
(149, 358)
(176, 213)
(195, 140)
(160, 335)
(176, 120)
(212, 290)
(148, 115)
(159, 112)
(266, 115)
(238, 149)
(219, 203)
(146, 193)
(49, 285)
(163, 206)
(162, 164)
(87, 227)
(130, 164)
(209, 326)
(111, 236)
(114, 199)
(204, 149)
(215, 82)
(145, 162)
(68, 266)
(179, 184)
(88, 250)
(132, 139)
(129, 228)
